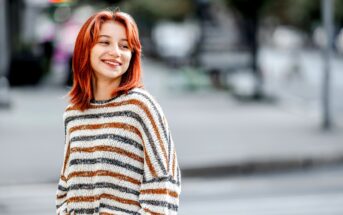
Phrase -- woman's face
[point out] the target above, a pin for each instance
(111, 55)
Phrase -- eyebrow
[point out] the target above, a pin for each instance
(104, 36)
(107, 36)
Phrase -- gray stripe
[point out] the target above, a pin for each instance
(160, 203)
(162, 179)
(120, 138)
(61, 188)
(108, 161)
(102, 205)
(115, 208)
(127, 114)
(58, 206)
(144, 177)
(85, 210)
(103, 185)
(95, 116)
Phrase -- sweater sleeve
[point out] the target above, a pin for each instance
(62, 189)
(161, 185)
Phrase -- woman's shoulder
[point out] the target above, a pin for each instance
(146, 98)
(68, 110)
(139, 91)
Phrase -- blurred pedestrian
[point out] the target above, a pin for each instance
(119, 156)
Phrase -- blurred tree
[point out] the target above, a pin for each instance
(249, 14)
(339, 12)
(303, 14)
(148, 12)
(154, 10)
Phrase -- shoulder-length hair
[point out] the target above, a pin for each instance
(81, 92)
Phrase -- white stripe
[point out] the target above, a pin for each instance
(157, 185)
(106, 167)
(108, 179)
(99, 131)
(99, 191)
(108, 155)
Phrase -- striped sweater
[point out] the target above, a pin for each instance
(119, 158)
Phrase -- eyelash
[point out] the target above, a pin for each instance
(104, 42)
(124, 46)
(121, 46)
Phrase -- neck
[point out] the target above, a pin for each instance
(103, 90)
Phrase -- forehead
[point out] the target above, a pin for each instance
(113, 29)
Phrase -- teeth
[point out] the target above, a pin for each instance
(112, 63)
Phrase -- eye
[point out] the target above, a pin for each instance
(104, 42)
(124, 46)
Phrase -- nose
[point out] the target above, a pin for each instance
(114, 50)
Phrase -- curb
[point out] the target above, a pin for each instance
(255, 167)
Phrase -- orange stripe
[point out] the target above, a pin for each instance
(148, 162)
(63, 178)
(61, 196)
(151, 212)
(146, 110)
(104, 173)
(105, 196)
(174, 163)
(163, 191)
(106, 125)
(108, 149)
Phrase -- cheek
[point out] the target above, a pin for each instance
(92, 58)
(128, 57)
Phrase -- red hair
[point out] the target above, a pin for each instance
(81, 92)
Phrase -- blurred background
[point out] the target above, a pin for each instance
(252, 90)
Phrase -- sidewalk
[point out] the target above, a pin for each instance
(213, 133)
(217, 135)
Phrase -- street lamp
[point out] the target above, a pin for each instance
(327, 17)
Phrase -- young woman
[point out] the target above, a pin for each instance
(119, 155)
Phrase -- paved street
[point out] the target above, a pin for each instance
(314, 192)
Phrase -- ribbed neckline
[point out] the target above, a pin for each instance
(93, 101)
(100, 102)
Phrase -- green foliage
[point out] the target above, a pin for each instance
(153, 10)
(247, 8)
(301, 13)
(339, 12)
(304, 14)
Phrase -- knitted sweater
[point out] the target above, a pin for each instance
(119, 158)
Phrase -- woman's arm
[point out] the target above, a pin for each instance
(161, 186)
(62, 189)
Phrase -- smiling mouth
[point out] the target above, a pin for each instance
(111, 63)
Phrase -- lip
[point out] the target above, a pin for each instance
(111, 62)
